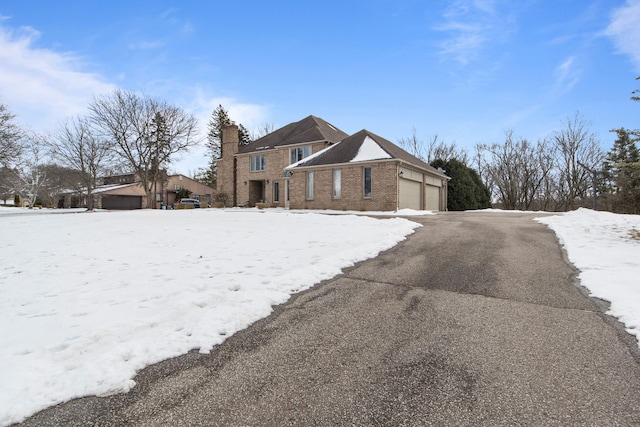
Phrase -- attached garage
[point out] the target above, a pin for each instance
(432, 196)
(410, 194)
(116, 202)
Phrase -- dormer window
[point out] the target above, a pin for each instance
(299, 153)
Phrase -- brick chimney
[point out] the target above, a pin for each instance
(226, 176)
(230, 140)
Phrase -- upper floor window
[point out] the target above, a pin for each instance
(299, 153)
(258, 163)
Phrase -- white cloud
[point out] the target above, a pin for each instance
(42, 86)
(567, 74)
(472, 24)
(624, 29)
(201, 105)
(146, 45)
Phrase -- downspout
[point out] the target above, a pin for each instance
(235, 181)
(397, 185)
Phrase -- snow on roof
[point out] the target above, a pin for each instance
(313, 156)
(109, 187)
(370, 150)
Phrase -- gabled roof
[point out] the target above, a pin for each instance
(360, 147)
(309, 129)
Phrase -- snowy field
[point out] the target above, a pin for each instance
(89, 299)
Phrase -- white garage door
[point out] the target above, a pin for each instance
(410, 194)
(433, 198)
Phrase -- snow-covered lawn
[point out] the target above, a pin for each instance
(89, 299)
(605, 247)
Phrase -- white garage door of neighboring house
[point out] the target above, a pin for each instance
(410, 194)
(432, 197)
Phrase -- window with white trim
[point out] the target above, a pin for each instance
(367, 181)
(258, 163)
(299, 153)
(337, 183)
(276, 191)
(310, 177)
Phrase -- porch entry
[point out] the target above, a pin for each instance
(257, 191)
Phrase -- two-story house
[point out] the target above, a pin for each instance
(312, 164)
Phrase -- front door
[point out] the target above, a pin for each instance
(256, 192)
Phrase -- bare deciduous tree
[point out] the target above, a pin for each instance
(413, 145)
(134, 122)
(517, 171)
(59, 179)
(10, 137)
(31, 174)
(440, 150)
(264, 129)
(435, 149)
(576, 147)
(77, 147)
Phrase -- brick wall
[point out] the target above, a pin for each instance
(275, 161)
(225, 173)
(383, 188)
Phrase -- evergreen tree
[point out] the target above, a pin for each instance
(622, 172)
(219, 120)
(243, 135)
(159, 141)
(465, 189)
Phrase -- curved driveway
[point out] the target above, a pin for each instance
(476, 319)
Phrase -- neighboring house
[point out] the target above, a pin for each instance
(311, 164)
(123, 192)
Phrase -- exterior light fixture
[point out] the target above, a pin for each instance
(401, 174)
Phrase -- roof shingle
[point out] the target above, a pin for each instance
(309, 129)
(347, 150)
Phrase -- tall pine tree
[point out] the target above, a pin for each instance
(622, 172)
(219, 120)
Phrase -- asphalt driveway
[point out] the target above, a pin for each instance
(476, 319)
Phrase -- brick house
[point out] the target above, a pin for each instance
(125, 192)
(311, 164)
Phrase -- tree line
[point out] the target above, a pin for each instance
(129, 133)
(564, 171)
(122, 133)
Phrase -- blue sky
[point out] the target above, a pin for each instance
(466, 70)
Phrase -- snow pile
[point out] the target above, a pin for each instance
(605, 247)
(89, 299)
(12, 211)
(399, 212)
